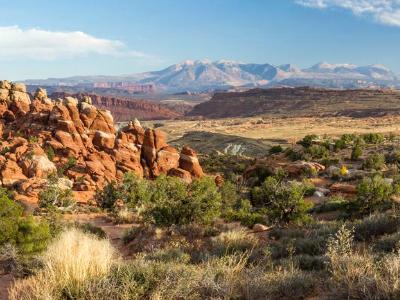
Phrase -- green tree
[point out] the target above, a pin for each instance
(372, 193)
(284, 200)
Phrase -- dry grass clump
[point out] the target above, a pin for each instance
(68, 264)
(234, 241)
(361, 275)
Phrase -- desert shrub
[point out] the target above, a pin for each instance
(170, 254)
(294, 155)
(283, 200)
(28, 235)
(245, 214)
(123, 215)
(107, 197)
(134, 191)
(317, 152)
(275, 149)
(373, 138)
(388, 243)
(372, 193)
(229, 195)
(334, 203)
(233, 241)
(33, 236)
(356, 152)
(10, 214)
(68, 165)
(174, 202)
(376, 225)
(361, 276)
(339, 145)
(50, 153)
(308, 140)
(307, 262)
(286, 283)
(228, 165)
(53, 196)
(374, 162)
(348, 138)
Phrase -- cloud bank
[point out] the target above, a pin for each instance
(386, 12)
(50, 45)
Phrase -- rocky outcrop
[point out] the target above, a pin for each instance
(124, 109)
(40, 136)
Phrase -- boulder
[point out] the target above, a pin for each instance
(103, 140)
(188, 161)
(343, 188)
(180, 173)
(11, 173)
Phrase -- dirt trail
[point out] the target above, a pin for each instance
(113, 231)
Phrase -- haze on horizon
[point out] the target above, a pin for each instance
(45, 38)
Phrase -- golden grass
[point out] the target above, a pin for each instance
(69, 262)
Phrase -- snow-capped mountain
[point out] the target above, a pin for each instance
(207, 75)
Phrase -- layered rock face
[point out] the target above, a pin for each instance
(40, 136)
(124, 109)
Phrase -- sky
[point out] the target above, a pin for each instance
(43, 38)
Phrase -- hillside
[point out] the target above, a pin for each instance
(124, 109)
(301, 101)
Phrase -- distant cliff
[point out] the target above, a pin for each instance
(126, 109)
(302, 101)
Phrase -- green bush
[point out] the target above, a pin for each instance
(375, 225)
(283, 200)
(308, 140)
(375, 161)
(53, 196)
(229, 195)
(174, 202)
(372, 194)
(318, 152)
(107, 197)
(10, 213)
(50, 153)
(356, 152)
(27, 234)
(373, 138)
(32, 236)
(245, 214)
(275, 149)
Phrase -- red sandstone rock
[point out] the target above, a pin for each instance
(40, 138)
(188, 161)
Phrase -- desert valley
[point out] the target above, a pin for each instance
(126, 175)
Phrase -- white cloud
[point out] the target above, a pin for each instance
(383, 11)
(16, 43)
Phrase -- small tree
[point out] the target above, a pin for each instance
(284, 200)
(372, 192)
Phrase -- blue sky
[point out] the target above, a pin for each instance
(43, 38)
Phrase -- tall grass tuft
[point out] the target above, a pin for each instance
(68, 264)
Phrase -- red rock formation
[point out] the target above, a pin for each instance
(127, 109)
(47, 134)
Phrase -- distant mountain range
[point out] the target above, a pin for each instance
(204, 75)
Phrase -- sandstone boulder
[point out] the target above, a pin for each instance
(188, 161)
